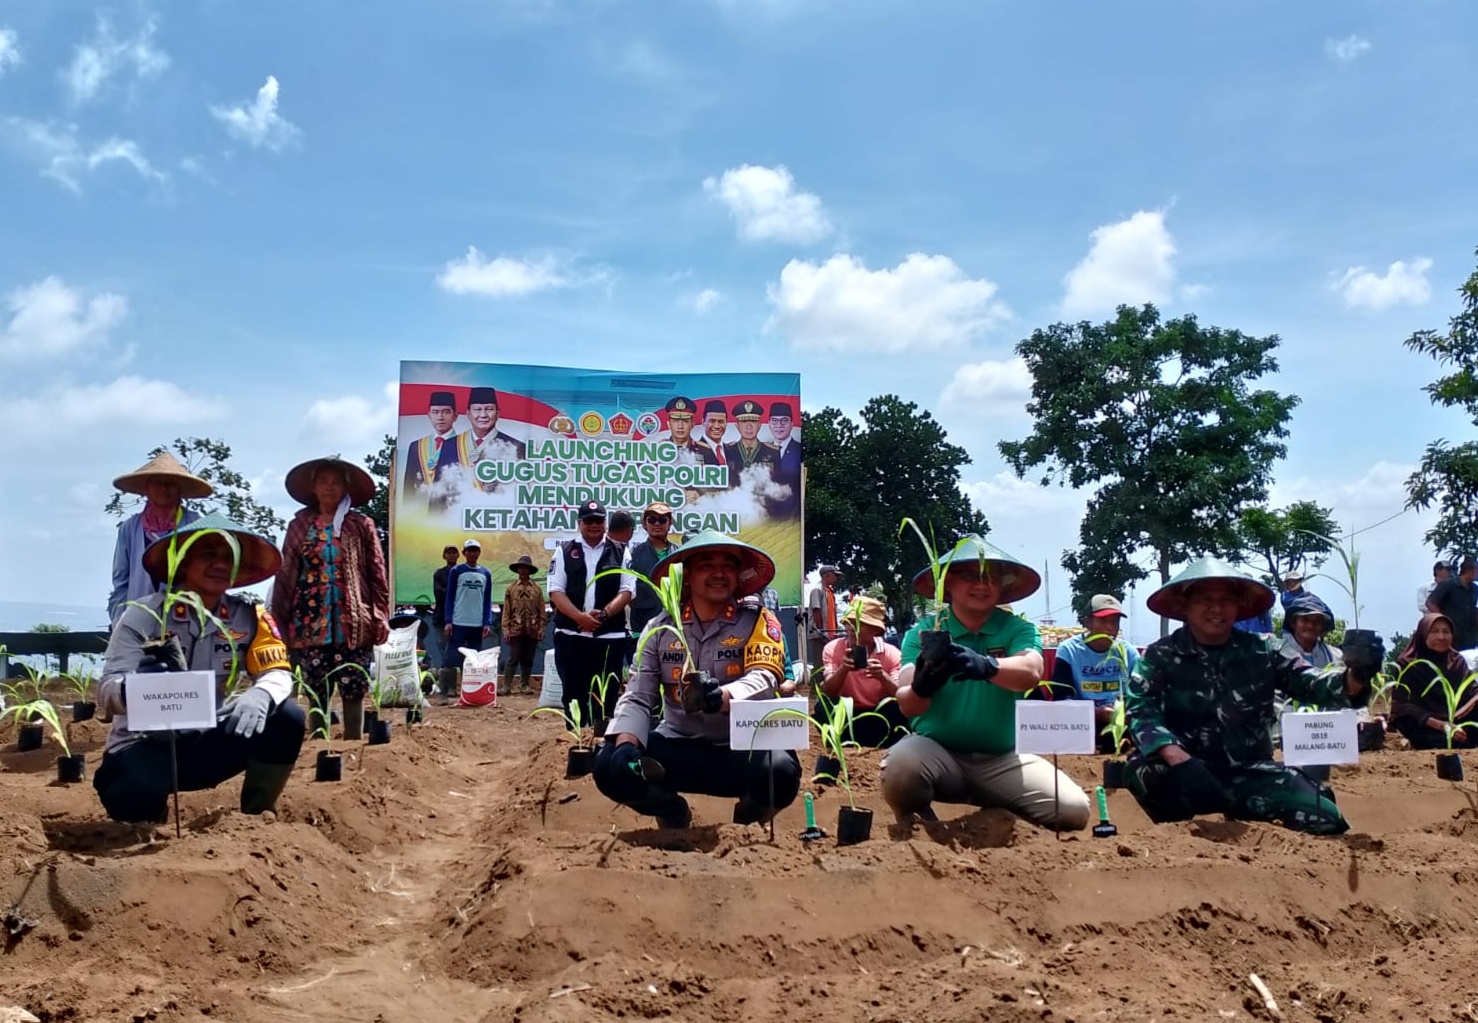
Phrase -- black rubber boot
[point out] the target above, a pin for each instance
(353, 720)
(262, 784)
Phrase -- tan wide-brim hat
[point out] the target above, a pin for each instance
(870, 611)
(164, 466)
(299, 484)
(1253, 598)
(260, 558)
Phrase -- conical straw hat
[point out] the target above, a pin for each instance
(163, 466)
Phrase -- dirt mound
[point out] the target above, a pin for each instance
(456, 874)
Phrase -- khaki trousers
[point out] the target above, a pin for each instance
(918, 771)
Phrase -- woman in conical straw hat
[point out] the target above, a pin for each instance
(332, 595)
(164, 484)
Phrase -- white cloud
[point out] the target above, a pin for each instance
(1346, 49)
(993, 387)
(926, 302)
(1403, 284)
(641, 59)
(352, 420)
(765, 204)
(49, 319)
(1007, 496)
(10, 51)
(1130, 263)
(105, 55)
(706, 300)
(259, 125)
(510, 277)
(129, 400)
(64, 158)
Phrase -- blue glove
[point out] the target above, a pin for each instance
(246, 715)
(965, 663)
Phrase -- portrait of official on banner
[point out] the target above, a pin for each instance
(507, 454)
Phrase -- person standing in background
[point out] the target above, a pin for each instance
(163, 483)
(657, 521)
(524, 620)
(331, 595)
(439, 579)
(469, 594)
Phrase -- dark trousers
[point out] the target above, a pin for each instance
(868, 731)
(580, 660)
(701, 767)
(1259, 791)
(469, 636)
(134, 782)
(520, 657)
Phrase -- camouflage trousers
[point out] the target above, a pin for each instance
(1260, 791)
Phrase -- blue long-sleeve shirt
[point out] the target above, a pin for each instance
(469, 599)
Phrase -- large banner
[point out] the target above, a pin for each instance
(506, 454)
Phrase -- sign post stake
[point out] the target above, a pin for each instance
(1056, 803)
(174, 781)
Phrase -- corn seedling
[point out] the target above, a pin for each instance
(1351, 559)
(25, 713)
(1117, 728)
(669, 593)
(175, 597)
(1382, 690)
(80, 683)
(600, 688)
(835, 729)
(574, 722)
(938, 569)
(318, 717)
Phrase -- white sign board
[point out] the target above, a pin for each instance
(1055, 726)
(161, 700)
(1314, 738)
(753, 724)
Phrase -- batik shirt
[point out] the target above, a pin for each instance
(317, 609)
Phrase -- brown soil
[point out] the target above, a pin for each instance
(456, 876)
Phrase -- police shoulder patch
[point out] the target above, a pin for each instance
(772, 625)
(265, 619)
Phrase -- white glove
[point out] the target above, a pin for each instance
(246, 715)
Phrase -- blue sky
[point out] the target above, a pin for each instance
(234, 220)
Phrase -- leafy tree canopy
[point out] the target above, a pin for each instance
(1282, 540)
(1161, 417)
(863, 479)
(1447, 477)
(379, 465)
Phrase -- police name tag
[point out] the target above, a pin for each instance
(1055, 726)
(1315, 738)
(162, 700)
(754, 724)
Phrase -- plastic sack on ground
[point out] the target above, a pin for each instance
(552, 695)
(397, 676)
(479, 678)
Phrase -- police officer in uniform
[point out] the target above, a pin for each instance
(748, 451)
(590, 613)
(680, 412)
(260, 726)
(728, 651)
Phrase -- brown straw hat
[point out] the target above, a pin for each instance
(299, 484)
(164, 466)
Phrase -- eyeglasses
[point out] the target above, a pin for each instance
(658, 519)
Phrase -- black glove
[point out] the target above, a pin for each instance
(1199, 788)
(928, 678)
(702, 694)
(966, 663)
(162, 655)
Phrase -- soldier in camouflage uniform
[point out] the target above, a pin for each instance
(1201, 704)
(722, 650)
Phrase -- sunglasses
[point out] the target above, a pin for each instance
(659, 518)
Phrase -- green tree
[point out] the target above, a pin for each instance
(51, 628)
(863, 479)
(1448, 474)
(380, 464)
(1283, 540)
(1161, 418)
(210, 459)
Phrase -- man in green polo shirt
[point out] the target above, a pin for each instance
(963, 746)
